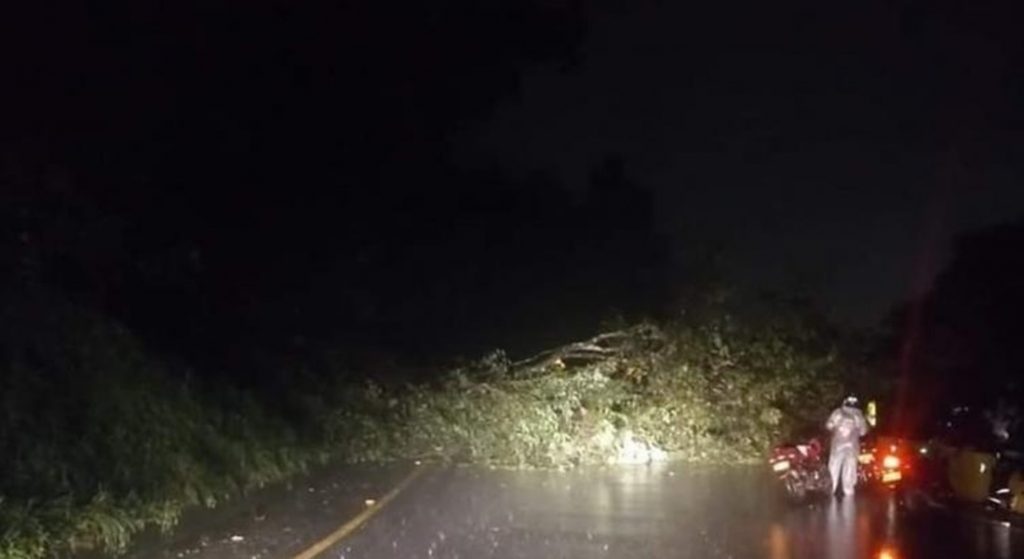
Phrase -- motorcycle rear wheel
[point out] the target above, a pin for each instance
(796, 490)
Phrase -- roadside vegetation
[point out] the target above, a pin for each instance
(100, 439)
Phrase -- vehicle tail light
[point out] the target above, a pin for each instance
(781, 465)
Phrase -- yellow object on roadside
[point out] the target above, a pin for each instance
(872, 415)
(1016, 486)
(970, 474)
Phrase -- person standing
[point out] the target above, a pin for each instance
(847, 425)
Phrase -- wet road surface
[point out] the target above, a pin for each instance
(277, 522)
(658, 511)
(665, 510)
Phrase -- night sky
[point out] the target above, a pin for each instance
(835, 150)
(235, 176)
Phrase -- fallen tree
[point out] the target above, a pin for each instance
(716, 392)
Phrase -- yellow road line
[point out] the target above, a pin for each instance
(347, 528)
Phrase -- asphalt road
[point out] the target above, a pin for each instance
(671, 510)
(663, 511)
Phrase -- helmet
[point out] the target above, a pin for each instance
(850, 401)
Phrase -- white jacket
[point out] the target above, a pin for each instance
(847, 425)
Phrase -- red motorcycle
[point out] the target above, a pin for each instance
(802, 469)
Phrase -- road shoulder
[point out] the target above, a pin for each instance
(278, 521)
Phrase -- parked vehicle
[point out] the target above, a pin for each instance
(802, 469)
(973, 457)
(883, 461)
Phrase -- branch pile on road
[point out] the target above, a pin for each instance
(715, 392)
